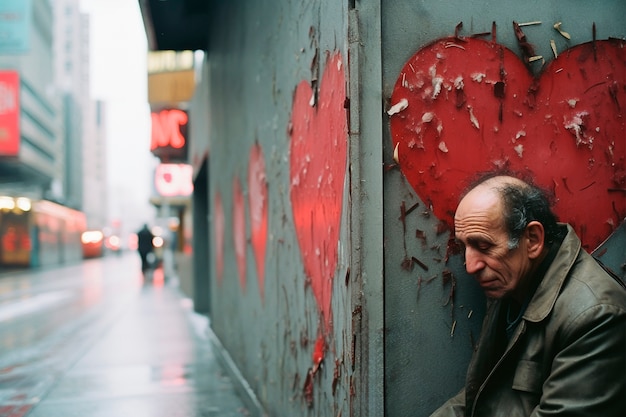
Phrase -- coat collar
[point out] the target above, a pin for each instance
(548, 290)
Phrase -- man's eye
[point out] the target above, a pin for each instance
(484, 247)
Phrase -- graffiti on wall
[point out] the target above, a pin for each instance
(257, 200)
(318, 151)
(465, 105)
(258, 210)
(239, 231)
(318, 160)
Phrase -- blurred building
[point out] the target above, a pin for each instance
(32, 154)
(95, 195)
(84, 117)
(52, 133)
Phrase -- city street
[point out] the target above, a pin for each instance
(93, 339)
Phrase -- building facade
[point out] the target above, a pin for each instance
(86, 162)
(35, 165)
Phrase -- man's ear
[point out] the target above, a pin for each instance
(534, 234)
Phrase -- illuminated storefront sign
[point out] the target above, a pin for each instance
(171, 77)
(169, 61)
(169, 135)
(9, 113)
(173, 180)
(168, 88)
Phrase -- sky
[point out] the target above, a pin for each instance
(118, 51)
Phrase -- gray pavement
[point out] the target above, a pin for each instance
(154, 358)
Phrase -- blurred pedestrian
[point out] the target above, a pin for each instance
(145, 246)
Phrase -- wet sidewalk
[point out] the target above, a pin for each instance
(156, 358)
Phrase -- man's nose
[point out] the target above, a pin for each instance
(473, 261)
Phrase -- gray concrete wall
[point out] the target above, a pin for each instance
(259, 53)
(184, 272)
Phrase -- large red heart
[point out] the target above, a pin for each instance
(318, 151)
(257, 200)
(464, 106)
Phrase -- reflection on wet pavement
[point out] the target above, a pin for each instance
(112, 347)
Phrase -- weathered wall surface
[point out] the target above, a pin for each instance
(299, 193)
(468, 110)
(278, 199)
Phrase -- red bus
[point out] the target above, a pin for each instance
(39, 232)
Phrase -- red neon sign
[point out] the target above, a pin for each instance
(9, 113)
(169, 131)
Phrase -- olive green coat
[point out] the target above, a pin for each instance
(567, 357)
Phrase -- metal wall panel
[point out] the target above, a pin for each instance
(429, 336)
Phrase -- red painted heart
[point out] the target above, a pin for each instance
(257, 200)
(318, 151)
(239, 232)
(464, 106)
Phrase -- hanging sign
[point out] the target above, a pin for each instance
(169, 135)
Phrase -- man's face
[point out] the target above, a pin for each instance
(479, 228)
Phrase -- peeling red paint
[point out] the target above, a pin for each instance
(566, 126)
(218, 228)
(318, 152)
(239, 232)
(318, 352)
(258, 202)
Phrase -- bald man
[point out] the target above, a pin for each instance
(553, 340)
